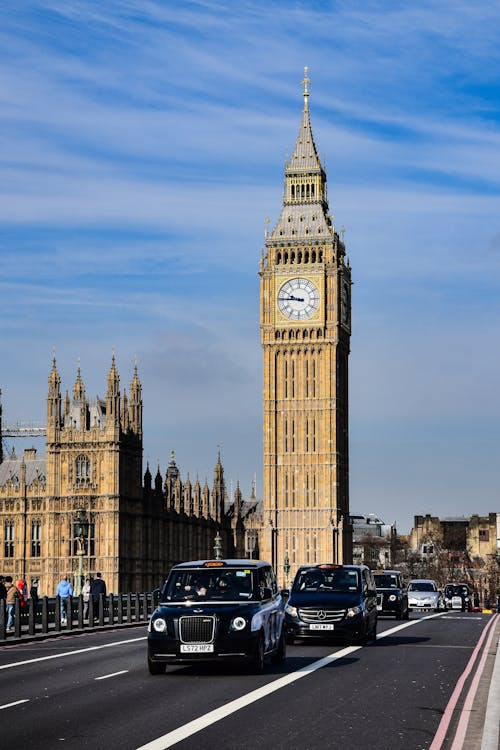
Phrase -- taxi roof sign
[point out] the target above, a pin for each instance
(214, 564)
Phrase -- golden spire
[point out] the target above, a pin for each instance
(306, 83)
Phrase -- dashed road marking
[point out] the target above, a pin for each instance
(113, 674)
(16, 703)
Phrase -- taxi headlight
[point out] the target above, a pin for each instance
(292, 611)
(238, 623)
(352, 611)
(159, 625)
(392, 598)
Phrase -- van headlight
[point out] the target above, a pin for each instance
(238, 623)
(159, 625)
(353, 611)
(292, 611)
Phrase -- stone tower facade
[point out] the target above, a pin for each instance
(305, 323)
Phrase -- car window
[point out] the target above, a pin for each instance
(315, 580)
(387, 581)
(222, 584)
(422, 586)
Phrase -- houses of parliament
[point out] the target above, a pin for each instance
(90, 496)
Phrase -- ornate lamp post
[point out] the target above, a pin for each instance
(81, 533)
(218, 547)
(286, 568)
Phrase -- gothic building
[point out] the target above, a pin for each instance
(87, 498)
(305, 322)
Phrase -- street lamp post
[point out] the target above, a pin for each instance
(218, 547)
(81, 529)
(286, 568)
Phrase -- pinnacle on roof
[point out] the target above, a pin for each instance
(305, 156)
(78, 388)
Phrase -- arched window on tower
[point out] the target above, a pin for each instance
(293, 192)
(312, 190)
(9, 539)
(82, 469)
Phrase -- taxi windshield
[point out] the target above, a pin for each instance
(386, 581)
(456, 590)
(314, 580)
(203, 585)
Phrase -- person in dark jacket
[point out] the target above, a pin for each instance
(97, 587)
(3, 590)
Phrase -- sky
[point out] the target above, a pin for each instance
(142, 147)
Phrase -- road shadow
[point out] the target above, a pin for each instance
(292, 664)
(401, 640)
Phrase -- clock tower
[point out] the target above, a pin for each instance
(305, 323)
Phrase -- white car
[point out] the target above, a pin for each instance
(423, 594)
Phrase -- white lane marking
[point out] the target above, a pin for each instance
(113, 674)
(16, 703)
(71, 653)
(181, 733)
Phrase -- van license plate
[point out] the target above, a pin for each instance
(197, 648)
(321, 626)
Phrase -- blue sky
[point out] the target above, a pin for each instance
(142, 146)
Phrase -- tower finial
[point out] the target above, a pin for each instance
(306, 83)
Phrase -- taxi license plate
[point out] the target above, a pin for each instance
(197, 648)
(321, 626)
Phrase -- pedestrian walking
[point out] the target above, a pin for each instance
(3, 590)
(34, 595)
(97, 587)
(86, 598)
(65, 591)
(10, 599)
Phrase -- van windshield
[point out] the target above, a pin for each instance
(322, 581)
(203, 585)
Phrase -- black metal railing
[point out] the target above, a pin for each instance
(53, 615)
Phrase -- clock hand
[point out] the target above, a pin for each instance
(291, 298)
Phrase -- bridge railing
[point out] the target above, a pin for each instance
(52, 615)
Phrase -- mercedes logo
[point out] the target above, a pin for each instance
(321, 614)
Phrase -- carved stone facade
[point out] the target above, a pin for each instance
(93, 468)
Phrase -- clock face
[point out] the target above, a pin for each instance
(298, 299)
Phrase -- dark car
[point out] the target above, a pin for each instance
(334, 601)
(392, 596)
(217, 610)
(458, 596)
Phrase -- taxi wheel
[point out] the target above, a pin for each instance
(257, 663)
(280, 655)
(156, 667)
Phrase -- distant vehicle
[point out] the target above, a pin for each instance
(458, 596)
(217, 610)
(330, 600)
(392, 596)
(423, 594)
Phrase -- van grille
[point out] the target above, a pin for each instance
(196, 629)
(315, 614)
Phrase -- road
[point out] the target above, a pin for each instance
(94, 691)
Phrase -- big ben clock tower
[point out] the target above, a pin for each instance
(305, 322)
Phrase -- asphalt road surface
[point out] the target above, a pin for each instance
(94, 691)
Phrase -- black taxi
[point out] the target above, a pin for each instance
(217, 610)
(392, 596)
(335, 601)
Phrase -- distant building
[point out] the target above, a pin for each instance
(372, 540)
(88, 492)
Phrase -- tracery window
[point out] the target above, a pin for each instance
(9, 539)
(36, 538)
(82, 469)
